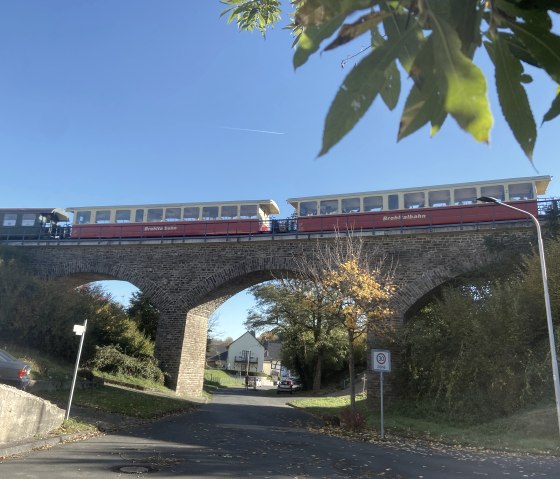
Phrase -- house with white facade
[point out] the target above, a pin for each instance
(246, 354)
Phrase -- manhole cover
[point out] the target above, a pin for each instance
(134, 469)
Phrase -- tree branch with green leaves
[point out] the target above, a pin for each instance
(433, 42)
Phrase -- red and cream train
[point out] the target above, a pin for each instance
(452, 204)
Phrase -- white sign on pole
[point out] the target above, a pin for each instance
(381, 360)
(79, 329)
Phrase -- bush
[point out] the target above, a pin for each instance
(353, 420)
(111, 360)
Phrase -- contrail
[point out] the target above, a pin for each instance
(254, 131)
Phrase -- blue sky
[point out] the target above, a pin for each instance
(138, 101)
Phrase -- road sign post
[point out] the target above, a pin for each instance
(381, 362)
(80, 330)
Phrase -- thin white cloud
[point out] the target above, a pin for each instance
(251, 130)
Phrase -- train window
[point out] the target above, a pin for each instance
(495, 191)
(439, 198)
(155, 214)
(328, 207)
(28, 219)
(373, 203)
(393, 202)
(191, 213)
(229, 212)
(9, 219)
(248, 211)
(103, 216)
(465, 196)
(521, 191)
(308, 208)
(350, 205)
(172, 214)
(139, 216)
(414, 200)
(83, 217)
(210, 213)
(122, 216)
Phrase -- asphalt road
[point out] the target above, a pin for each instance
(246, 434)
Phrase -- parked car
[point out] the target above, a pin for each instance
(13, 371)
(289, 385)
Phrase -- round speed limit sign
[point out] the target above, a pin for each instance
(381, 360)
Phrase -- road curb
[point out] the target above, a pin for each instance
(22, 447)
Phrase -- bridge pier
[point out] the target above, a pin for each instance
(181, 348)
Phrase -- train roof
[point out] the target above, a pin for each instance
(58, 213)
(541, 183)
(268, 206)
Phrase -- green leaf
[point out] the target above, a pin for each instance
(513, 98)
(321, 18)
(391, 90)
(544, 47)
(424, 103)
(395, 27)
(466, 18)
(358, 91)
(554, 110)
(461, 83)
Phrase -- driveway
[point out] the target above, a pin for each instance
(247, 434)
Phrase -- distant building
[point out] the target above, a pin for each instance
(246, 354)
(272, 360)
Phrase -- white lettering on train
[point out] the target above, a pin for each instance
(160, 228)
(404, 217)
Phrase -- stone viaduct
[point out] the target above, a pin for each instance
(187, 279)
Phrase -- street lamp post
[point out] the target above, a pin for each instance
(489, 199)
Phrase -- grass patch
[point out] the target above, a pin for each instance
(141, 382)
(216, 378)
(121, 401)
(531, 431)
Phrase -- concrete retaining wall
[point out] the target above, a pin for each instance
(23, 415)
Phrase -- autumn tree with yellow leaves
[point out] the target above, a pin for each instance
(358, 289)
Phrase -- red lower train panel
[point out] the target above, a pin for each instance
(443, 215)
(165, 229)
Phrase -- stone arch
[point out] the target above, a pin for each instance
(186, 362)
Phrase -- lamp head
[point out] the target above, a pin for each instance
(488, 199)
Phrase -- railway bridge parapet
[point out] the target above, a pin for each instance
(189, 279)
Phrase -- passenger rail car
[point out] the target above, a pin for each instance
(32, 223)
(181, 219)
(428, 206)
